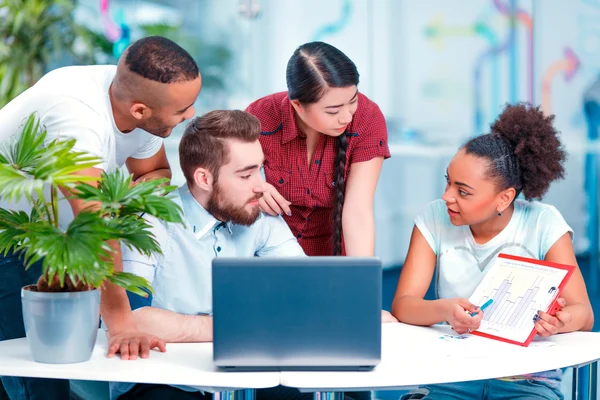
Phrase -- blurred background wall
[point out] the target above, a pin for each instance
(440, 71)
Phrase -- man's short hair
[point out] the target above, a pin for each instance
(204, 141)
(161, 60)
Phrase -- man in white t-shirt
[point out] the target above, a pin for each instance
(120, 114)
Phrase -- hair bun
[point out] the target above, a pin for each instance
(536, 144)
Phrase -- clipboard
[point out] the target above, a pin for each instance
(520, 287)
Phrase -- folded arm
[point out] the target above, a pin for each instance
(154, 167)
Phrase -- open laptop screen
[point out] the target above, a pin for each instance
(297, 313)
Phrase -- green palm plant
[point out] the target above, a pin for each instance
(80, 256)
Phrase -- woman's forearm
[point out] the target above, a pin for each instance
(582, 318)
(417, 311)
(358, 227)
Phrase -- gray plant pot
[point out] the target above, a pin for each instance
(61, 328)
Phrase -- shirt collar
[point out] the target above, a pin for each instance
(200, 220)
(290, 129)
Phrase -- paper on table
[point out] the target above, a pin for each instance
(469, 346)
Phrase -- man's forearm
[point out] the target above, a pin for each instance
(114, 304)
(156, 174)
(174, 327)
(115, 310)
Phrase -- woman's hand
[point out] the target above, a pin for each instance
(458, 314)
(273, 203)
(549, 325)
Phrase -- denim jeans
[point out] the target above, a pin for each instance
(12, 278)
(489, 389)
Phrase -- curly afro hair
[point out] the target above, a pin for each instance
(523, 150)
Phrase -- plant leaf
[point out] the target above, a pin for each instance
(11, 230)
(131, 282)
(118, 197)
(81, 251)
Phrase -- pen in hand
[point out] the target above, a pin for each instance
(484, 306)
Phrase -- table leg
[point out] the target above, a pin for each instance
(575, 384)
(585, 382)
(244, 394)
(593, 381)
(591, 187)
(328, 396)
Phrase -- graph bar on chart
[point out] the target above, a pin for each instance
(497, 295)
(522, 309)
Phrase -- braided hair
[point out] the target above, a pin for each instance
(313, 68)
(340, 187)
(523, 151)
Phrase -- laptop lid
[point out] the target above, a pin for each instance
(297, 313)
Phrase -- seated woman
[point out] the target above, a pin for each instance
(480, 216)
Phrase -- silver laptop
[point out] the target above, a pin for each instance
(303, 313)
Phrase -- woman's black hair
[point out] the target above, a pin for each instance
(523, 150)
(313, 68)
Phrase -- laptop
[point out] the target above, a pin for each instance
(301, 313)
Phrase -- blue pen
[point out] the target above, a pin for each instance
(484, 306)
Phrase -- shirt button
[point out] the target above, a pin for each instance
(317, 162)
(307, 191)
(299, 236)
(381, 142)
(219, 249)
(281, 181)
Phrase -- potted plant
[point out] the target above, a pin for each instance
(61, 312)
(35, 35)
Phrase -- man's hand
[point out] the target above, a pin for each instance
(132, 343)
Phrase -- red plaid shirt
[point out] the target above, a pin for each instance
(311, 188)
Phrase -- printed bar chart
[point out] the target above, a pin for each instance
(513, 313)
(519, 288)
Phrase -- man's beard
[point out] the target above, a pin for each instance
(223, 210)
(155, 128)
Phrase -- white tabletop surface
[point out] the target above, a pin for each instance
(182, 364)
(413, 356)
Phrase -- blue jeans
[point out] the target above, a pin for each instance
(12, 278)
(489, 389)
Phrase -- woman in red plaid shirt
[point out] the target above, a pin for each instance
(324, 145)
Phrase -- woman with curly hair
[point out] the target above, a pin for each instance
(458, 237)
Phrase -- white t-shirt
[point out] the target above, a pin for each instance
(461, 263)
(73, 102)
